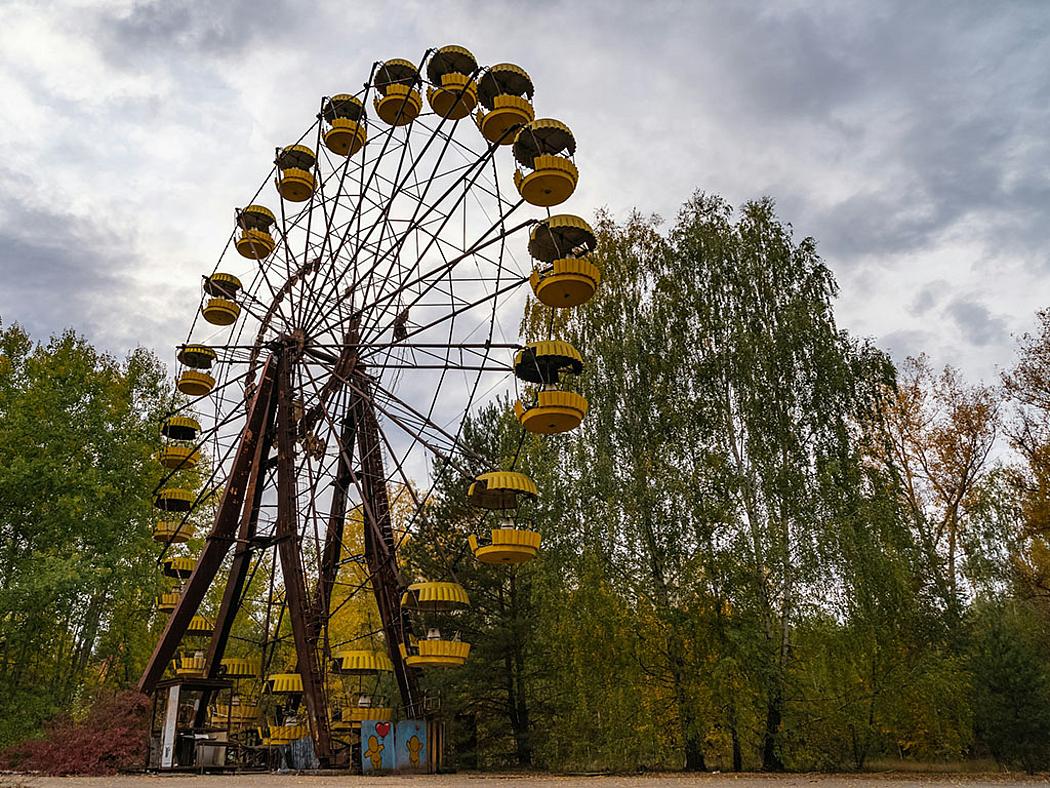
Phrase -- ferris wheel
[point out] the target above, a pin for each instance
(366, 301)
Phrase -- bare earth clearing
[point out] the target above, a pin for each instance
(504, 780)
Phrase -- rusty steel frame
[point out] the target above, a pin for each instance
(221, 536)
(271, 423)
(300, 607)
(238, 573)
(380, 550)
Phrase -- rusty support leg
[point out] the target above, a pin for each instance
(333, 540)
(242, 553)
(287, 533)
(231, 597)
(221, 535)
(343, 365)
(380, 553)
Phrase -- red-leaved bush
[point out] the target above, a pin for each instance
(112, 736)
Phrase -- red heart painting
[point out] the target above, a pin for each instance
(382, 728)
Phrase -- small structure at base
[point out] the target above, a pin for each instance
(405, 747)
(176, 743)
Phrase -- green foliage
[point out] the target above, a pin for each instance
(731, 574)
(763, 549)
(77, 576)
(1009, 661)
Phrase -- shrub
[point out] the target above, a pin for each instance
(110, 737)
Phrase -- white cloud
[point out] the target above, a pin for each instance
(909, 139)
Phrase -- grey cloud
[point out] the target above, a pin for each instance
(902, 344)
(62, 271)
(51, 263)
(916, 125)
(46, 283)
(976, 323)
(873, 223)
(961, 93)
(163, 27)
(797, 63)
(928, 297)
(937, 110)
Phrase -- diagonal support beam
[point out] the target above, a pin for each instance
(238, 574)
(333, 540)
(343, 366)
(222, 533)
(380, 552)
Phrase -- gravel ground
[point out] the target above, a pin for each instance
(505, 780)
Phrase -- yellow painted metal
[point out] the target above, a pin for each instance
(360, 662)
(285, 734)
(354, 714)
(500, 489)
(546, 361)
(561, 235)
(255, 244)
(571, 281)
(455, 97)
(180, 428)
(166, 602)
(195, 384)
(507, 546)
(551, 183)
(196, 356)
(173, 531)
(285, 683)
(435, 596)
(346, 137)
(188, 665)
(174, 499)
(554, 412)
(450, 59)
(504, 79)
(179, 566)
(222, 285)
(199, 626)
(221, 311)
(436, 653)
(396, 71)
(400, 105)
(181, 457)
(508, 114)
(256, 217)
(236, 714)
(239, 668)
(295, 184)
(343, 106)
(296, 157)
(543, 137)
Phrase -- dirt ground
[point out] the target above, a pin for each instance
(506, 780)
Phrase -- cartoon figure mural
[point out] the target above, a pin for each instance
(375, 752)
(414, 745)
(411, 739)
(377, 746)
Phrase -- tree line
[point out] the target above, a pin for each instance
(767, 547)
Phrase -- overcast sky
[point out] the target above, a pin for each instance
(911, 139)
